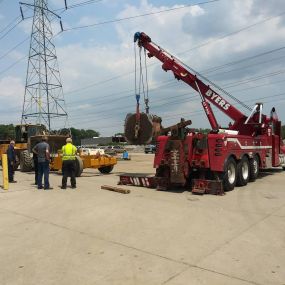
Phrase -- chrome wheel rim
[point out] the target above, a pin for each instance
(231, 173)
(255, 165)
(245, 170)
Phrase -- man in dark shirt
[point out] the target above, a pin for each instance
(35, 160)
(42, 150)
(11, 161)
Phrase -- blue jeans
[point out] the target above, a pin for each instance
(43, 170)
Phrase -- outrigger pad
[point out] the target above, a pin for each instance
(136, 179)
(199, 186)
(203, 186)
(145, 132)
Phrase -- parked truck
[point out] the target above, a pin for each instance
(221, 159)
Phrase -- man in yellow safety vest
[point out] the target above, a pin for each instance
(68, 163)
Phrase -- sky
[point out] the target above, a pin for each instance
(239, 45)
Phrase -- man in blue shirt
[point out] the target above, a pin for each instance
(11, 161)
(42, 150)
(35, 160)
(125, 155)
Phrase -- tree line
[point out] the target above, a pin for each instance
(7, 132)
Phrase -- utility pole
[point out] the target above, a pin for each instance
(43, 100)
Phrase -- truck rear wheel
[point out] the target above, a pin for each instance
(106, 169)
(230, 175)
(253, 168)
(243, 171)
(78, 167)
(26, 161)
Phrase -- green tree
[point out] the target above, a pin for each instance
(203, 131)
(78, 134)
(7, 132)
(120, 134)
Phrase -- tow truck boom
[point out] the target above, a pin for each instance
(181, 73)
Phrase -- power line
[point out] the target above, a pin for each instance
(84, 3)
(13, 64)
(165, 84)
(11, 29)
(130, 95)
(13, 48)
(230, 85)
(96, 83)
(197, 112)
(18, 61)
(235, 91)
(209, 70)
(248, 66)
(250, 100)
(10, 24)
(243, 59)
(233, 33)
(138, 16)
(193, 113)
(168, 82)
(236, 83)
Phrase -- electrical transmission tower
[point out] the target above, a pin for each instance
(43, 100)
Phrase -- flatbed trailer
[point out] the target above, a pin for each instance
(104, 163)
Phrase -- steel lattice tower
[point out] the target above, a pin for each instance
(43, 100)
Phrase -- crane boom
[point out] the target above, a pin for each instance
(207, 94)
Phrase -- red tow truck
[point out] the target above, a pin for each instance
(223, 158)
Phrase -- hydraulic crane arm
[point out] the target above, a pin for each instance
(181, 73)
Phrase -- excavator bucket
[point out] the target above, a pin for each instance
(142, 131)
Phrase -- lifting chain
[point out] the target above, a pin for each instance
(141, 88)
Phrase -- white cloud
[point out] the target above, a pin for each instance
(11, 88)
(86, 20)
(83, 64)
(15, 55)
(26, 26)
(11, 94)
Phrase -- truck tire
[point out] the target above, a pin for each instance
(78, 166)
(253, 168)
(243, 171)
(230, 174)
(106, 169)
(26, 161)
